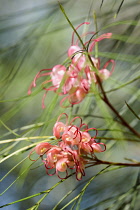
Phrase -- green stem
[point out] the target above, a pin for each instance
(96, 30)
(88, 55)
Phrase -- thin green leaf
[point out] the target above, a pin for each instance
(87, 184)
(13, 169)
(132, 111)
(119, 9)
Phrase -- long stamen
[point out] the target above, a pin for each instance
(84, 124)
(113, 65)
(43, 99)
(62, 177)
(61, 116)
(31, 154)
(72, 42)
(62, 101)
(75, 119)
(103, 145)
(52, 88)
(76, 132)
(84, 35)
(30, 88)
(45, 74)
(89, 129)
(50, 174)
(38, 75)
(103, 36)
(47, 81)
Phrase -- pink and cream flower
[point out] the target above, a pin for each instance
(75, 148)
(74, 80)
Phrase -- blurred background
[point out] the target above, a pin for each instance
(35, 35)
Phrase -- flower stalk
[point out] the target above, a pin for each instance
(106, 100)
(118, 163)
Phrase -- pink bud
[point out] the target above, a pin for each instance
(78, 96)
(85, 137)
(58, 129)
(61, 165)
(72, 50)
(97, 148)
(42, 148)
(57, 74)
(53, 155)
(104, 74)
(68, 136)
(77, 56)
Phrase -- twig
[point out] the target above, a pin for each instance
(105, 99)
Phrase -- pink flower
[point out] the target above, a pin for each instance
(74, 80)
(61, 165)
(58, 129)
(73, 150)
(77, 96)
(71, 136)
(97, 147)
(57, 75)
(53, 155)
(85, 137)
(42, 148)
(78, 58)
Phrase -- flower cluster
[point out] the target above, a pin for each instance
(75, 148)
(75, 79)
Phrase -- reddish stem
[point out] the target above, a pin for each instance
(118, 164)
(105, 99)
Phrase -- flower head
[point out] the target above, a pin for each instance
(74, 80)
(75, 148)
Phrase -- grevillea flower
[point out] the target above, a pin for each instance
(75, 148)
(42, 148)
(74, 80)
